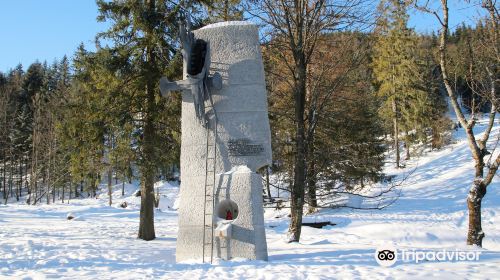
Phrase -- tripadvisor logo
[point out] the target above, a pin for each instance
(387, 255)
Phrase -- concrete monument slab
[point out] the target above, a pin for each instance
(242, 146)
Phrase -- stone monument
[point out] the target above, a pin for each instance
(221, 204)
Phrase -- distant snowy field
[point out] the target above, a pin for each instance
(38, 242)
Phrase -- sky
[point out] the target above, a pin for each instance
(459, 11)
(46, 30)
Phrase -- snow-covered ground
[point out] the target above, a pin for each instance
(38, 242)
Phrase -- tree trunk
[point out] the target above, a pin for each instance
(407, 146)
(95, 182)
(48, 174)
(52, 165)
(4, 173)
(146, 224)
(20, 185)
(35, 192)
(110, 183)
(475, 233)
(81, 189)
(32, 197)
(396, 131)
(299, 178)
(436, 138)
(311, 179)
(11, 177)
(269, 195)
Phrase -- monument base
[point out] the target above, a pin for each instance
(239, 207)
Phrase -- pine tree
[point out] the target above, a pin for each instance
(60, 87)
(395, 67)
(429, 113)
(33, 83)
(14, 97)
(121, 81)
(224, 10)
(5, 104)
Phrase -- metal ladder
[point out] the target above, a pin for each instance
(210, 169)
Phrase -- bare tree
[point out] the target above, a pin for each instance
(294, 27)
(477, 145)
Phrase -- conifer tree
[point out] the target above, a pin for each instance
(395, 67)
(32, 86)
(15, 100)
(224, 10)
(125, 78)
(5, 100)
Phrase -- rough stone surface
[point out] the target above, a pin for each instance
(248, 239)
(241, 106)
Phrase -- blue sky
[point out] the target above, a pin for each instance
(44, 29)
(49, 29)
(459, 11)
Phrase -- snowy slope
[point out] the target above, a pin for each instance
(38, 242)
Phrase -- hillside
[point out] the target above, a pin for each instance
(38, 242)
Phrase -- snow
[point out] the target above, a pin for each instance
(227, 23)
(239, 169)
(38, 242)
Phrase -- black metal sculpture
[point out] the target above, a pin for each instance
(196, 55)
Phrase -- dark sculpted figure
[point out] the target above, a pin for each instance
(196, 55)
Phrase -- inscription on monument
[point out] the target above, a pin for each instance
(244, 147)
